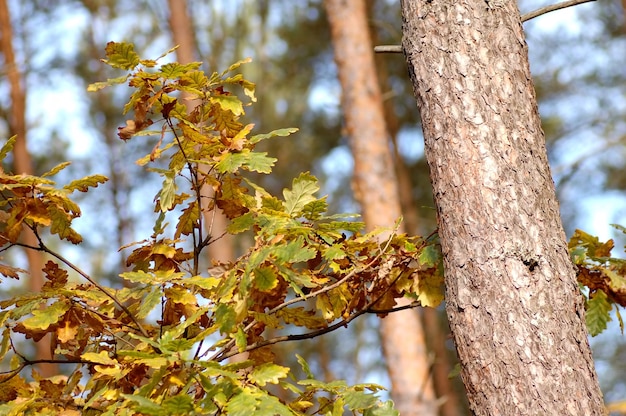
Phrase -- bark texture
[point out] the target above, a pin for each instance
(511, 296)
(375, 187)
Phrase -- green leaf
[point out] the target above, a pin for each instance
(43, 318)
(56, 169)
(231, 162)
(121, 55)
(7, 147)
(138, 277)
(85, 183)
(236, 65)
(334, 252)
(598, 313)
(243, 404)
(240, 340)
(229, 103)
(174, 69)
(301, 193)
(181, 404)
(242, 223)
(265, 278)
(359, 400)
(280, 132)
(149, 302)
(97, 86)
(225, 317)
(294, 252)
(429, 257)
(260, 162)
(268, 373)
(314, 210)
(305, 367)
(167, 195)
(383, 409)
(144, 405)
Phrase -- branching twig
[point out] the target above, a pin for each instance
(296, 337)
(45, 249)
(525, 17)
(223, 353)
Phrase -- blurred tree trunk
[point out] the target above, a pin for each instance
(433, 330)
(181, 26)
(515, 309)
(22, 163)
(375, 188)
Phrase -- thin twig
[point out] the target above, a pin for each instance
(552, 8)
(44, 248)
(525, 17)
(296, 337)
(222, 354)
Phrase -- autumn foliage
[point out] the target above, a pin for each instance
(159, 344)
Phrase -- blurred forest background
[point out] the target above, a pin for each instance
(578, 58)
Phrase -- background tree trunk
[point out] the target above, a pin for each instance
(375, 187)
(22, 163)
(215, 221)
(515, 310)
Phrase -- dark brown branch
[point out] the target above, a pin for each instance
(525, 17)
(297, 337)
(220, 355)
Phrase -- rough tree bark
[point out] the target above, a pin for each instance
(511, 296)
(22, 163)
(375, 188)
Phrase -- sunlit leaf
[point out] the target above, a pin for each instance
(121, 55)
(97, 86)
(7, 147)
(101, 357)
(265, 278)
(229, 102)
(268, 373)
(301, 193)
(225, 317)
(58, 168)
(280, 132)
(85, 183)
(167, 193)
(43, 318)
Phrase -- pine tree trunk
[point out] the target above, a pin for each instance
(22, 163)
(375, 188)
(515, 310)
(181, 26)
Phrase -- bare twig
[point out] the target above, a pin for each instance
(525, 17)
(552, 8)
(388, 49)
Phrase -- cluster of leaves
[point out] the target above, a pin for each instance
(160, 344)
(603, 276)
